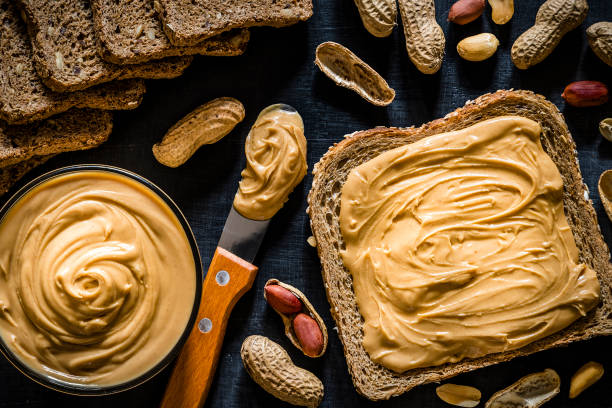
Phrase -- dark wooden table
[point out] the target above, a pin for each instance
(278, 67)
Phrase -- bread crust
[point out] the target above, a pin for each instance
(76, 129)
(188, 22)
(131, 33)
(65, 52)
(11, 174)
(24, 98)
(376, 382)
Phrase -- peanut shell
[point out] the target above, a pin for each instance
(378, 16)
(349, 71)
(206, 124)
(424, 37)
(600, 40)
(530, 391)
(555, 18)
(270, 366)
(604, 185)
(605, 128)
(308, 309)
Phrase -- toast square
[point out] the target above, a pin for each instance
(131, 33)
(377, 382)
(188, 22)
(65, 51)
(76, 129)
(24, 98)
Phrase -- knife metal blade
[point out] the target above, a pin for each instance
(242, 236)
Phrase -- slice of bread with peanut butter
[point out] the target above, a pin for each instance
(374, 380)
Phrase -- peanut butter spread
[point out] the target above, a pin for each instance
(276, 162)
(459, 247)
(97, 278)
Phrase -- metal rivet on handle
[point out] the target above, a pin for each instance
(222, 278)
(205, 325)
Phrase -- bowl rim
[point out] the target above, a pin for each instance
(97, 390)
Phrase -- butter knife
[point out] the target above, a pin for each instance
(230, 275)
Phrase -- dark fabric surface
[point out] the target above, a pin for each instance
(278, 67)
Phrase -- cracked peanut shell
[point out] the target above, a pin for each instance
(308, 309)
(349, 71)
(530, 391)
(604, 185)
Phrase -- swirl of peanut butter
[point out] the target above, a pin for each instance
(459, 246)
(97, 278)
(276, 162)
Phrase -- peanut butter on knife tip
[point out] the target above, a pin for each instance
(275, 149)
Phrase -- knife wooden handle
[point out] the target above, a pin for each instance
(228, 278)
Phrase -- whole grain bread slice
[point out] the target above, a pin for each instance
(10, 175)
(75, 129)
(24, 98)
(131, 33)
(65, 51)
(377, 382)
(188, 22)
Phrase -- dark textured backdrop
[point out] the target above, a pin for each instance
(278, 67)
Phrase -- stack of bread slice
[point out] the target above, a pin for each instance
(65, 64)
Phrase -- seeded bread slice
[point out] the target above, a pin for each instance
(131, 33)
(24, 98)
(65, 52)
(377, 382)
(75, 129)
(11, 174)
(188, 22)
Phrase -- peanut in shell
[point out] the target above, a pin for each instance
(600, 40)
(424, 37)
(378, 16)
(270, 366)
(555, 18)
(206, 124)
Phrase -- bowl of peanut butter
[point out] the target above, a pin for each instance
(100, 279)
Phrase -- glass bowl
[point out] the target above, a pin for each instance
(82, 389)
